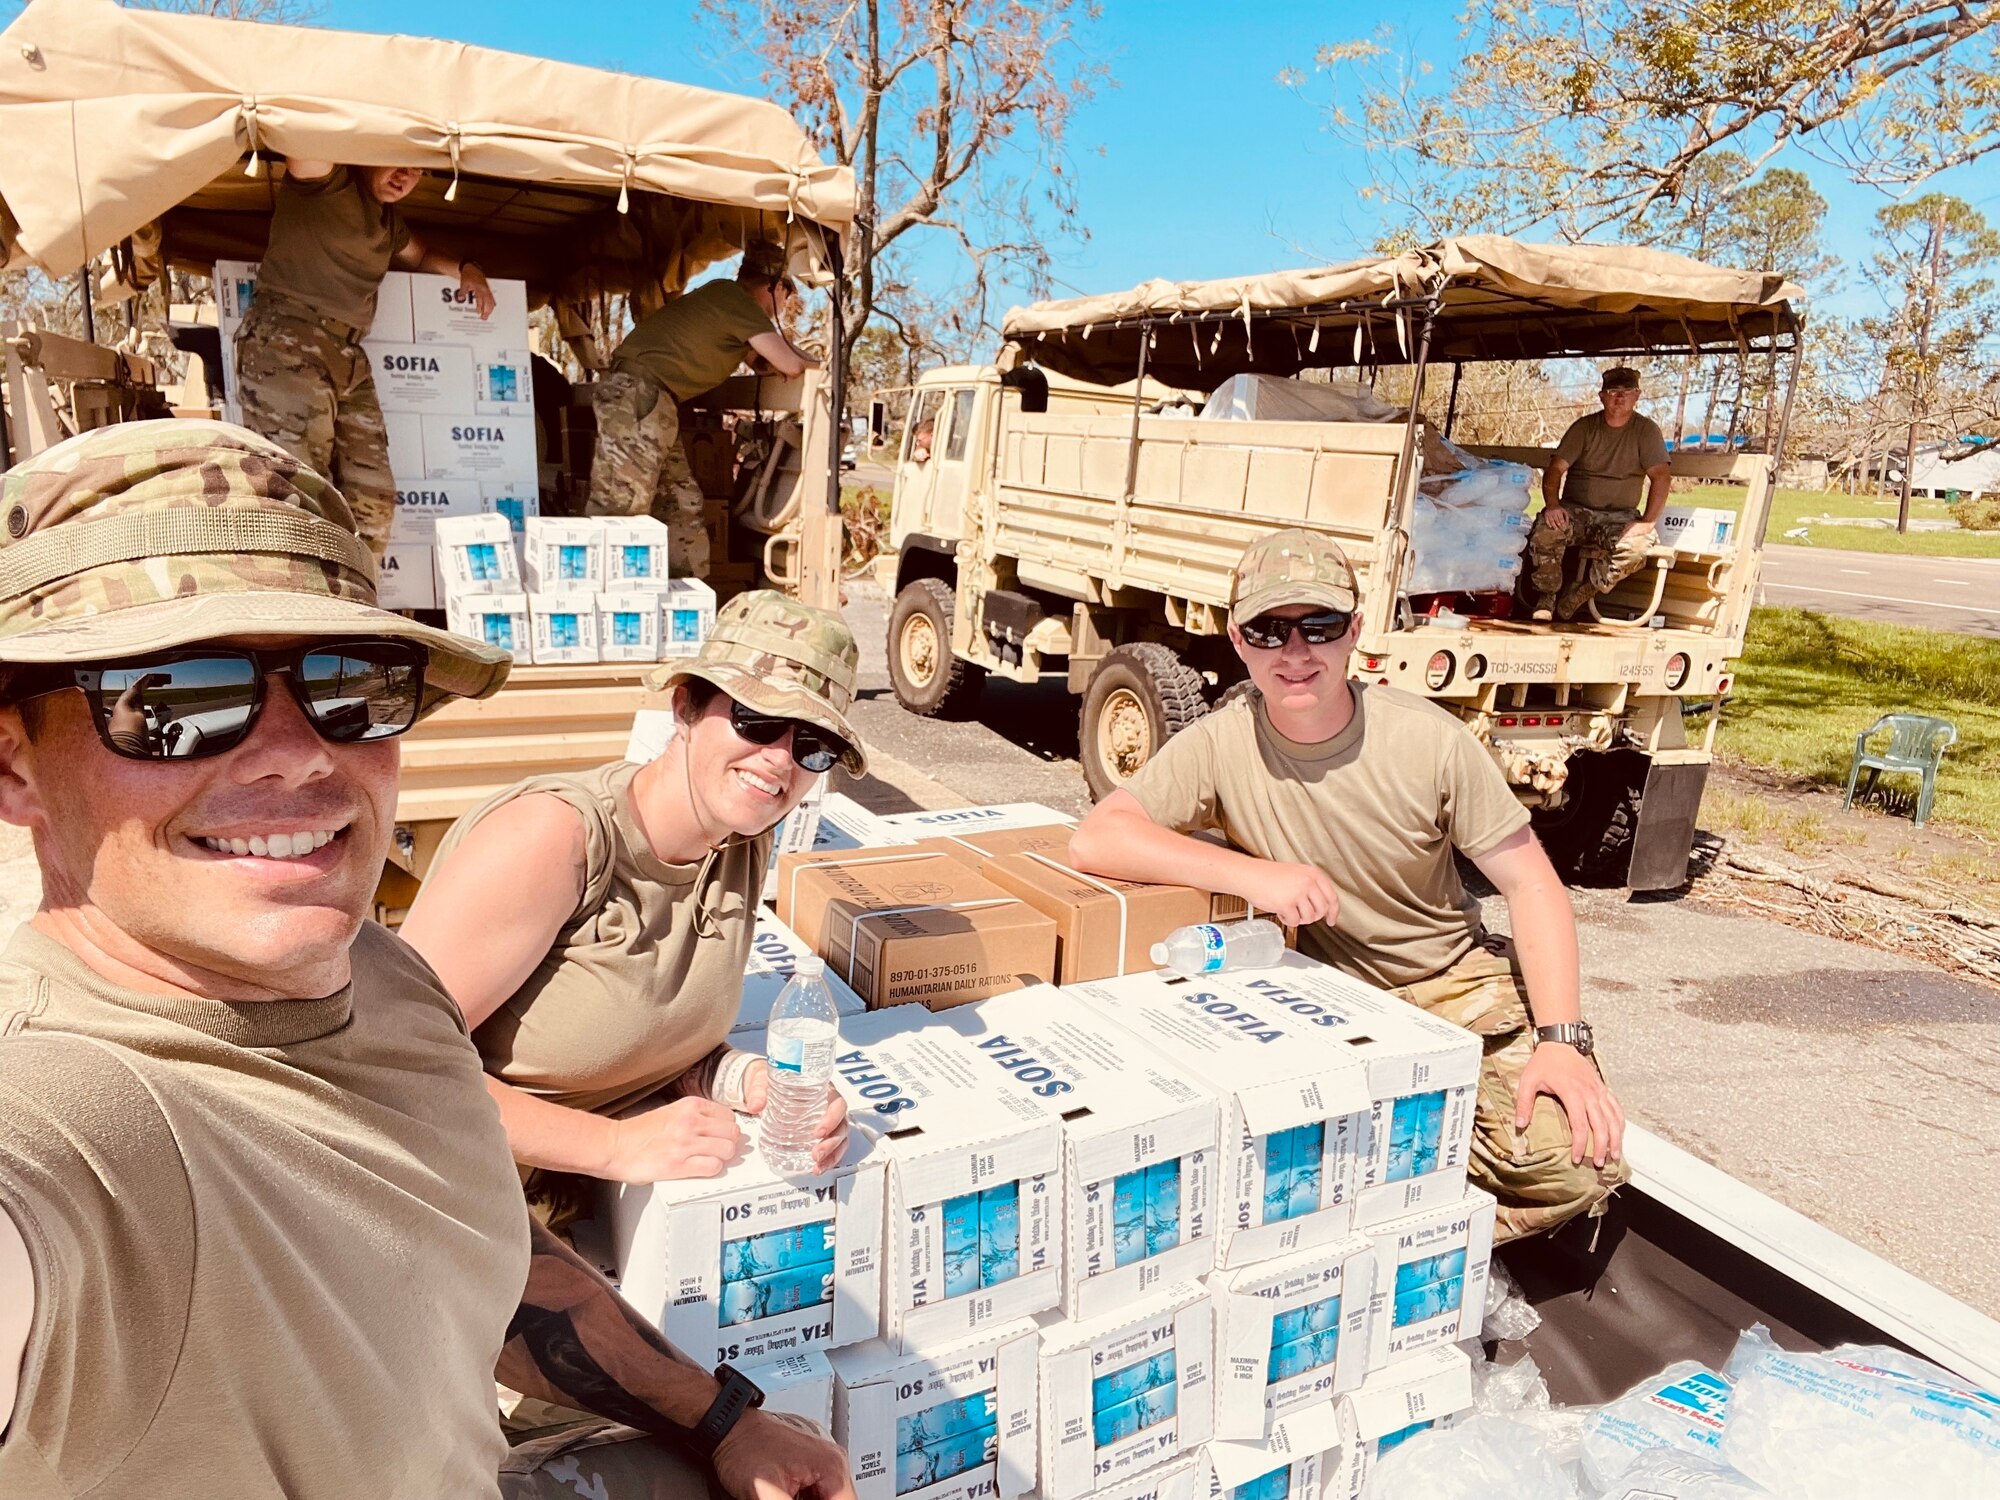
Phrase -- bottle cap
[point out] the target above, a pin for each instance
(1160, 954)
(812, 966)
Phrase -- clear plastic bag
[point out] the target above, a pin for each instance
(1683, 1408)
(1857, 1427)
(1669, 1474)
(1509, 1315)
(1478, 1458)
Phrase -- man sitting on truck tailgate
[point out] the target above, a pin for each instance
(685, 349)
(260, 1231)
(1591, 501)
(1349, 800)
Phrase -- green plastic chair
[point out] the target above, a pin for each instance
(1917, 742)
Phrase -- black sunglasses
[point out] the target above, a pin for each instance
(812, 747)
(204, 700)
(1270, 632)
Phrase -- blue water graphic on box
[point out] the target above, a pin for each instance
(483, 559)
(626, 629)
(514, 508)
(1275, 1485)
(498, 630)
(637, 560)
(1292, 1171)
(1416, 1132)
(685, 624)
(1400, 1435)
(572, 562)
(564, 631)
(1429, 1287)
(932, 1463)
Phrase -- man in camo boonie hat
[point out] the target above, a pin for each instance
(148, 536)
(781, 657)
(1294, 566)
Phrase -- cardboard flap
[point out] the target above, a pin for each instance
(1299, 1434)
(1422, 1388)
(1304, 1098)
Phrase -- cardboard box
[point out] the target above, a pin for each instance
(1301, 1452)
(1294, 1100)
(824, 820)
(1431, 1269)
(1393, 1404)
(406, 444)
(954, 1147)
(628, 626)
(635, 554)
(1698, 528)
(1139, 1144)
(801, 1384)
(501, 382)
(751, 1266)
(497, 619)
(775, 951)
(422, 503)
(651, 729)
(560, 553)
(914, 925)
(513, 499)
(909, 1421)
(393, 323)
(1423, 1081)
(488, 450)
(1124, 1393)
(1290, 1333)
(564, 627)
(421, 378)
(406, 578)
(927, 821)
(1183, 1479)
(475, 555)
(690, 615)
(442, 314)
(1104, 927)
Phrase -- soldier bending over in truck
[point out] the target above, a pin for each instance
(1590, 500)
(684, 350)
(302, 377)
(260, 1232)
(1346, 801)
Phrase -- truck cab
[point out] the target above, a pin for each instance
(1048, 519)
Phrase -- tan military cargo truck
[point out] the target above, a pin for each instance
(1053, 521)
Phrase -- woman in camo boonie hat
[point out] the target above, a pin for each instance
(595, 928)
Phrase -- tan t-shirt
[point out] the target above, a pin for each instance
(1607, 465)
(696, 341)
(276, 1246)
(645, 978)
(1379, 807)
(331, 245)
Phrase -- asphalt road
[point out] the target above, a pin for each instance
(1850, 1084)
(1941, 593)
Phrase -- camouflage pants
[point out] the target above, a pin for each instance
(1605, 555)
(1528, 1171)
(305, 383)
(639, 467)
(598, 1460)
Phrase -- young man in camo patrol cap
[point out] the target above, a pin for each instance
(595, 927)
(259, 1230)
(683, 350)
(1342, 802)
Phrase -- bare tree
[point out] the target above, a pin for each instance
(1578, 114)
(281, 12)
(954, 116)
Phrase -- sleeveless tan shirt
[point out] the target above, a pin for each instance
(645, 979)
(276, 1245)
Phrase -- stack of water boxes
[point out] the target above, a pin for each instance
(457, 396)
(574, 589)
(1137, 1237)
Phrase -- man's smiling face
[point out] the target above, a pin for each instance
(1297, 679)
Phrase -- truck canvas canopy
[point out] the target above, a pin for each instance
(151, 135)
(1479, 297)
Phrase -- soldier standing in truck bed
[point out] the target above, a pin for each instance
(303, 379)
(685, 349)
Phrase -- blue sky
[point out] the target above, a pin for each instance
(1197, 163)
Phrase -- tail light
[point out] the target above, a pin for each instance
(1438, 670)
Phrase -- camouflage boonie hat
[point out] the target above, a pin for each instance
(779, 656)
(1620, 378)
(147, 536)
(1291, 567)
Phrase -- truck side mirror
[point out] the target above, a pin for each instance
(1033, 386)
(878, 421)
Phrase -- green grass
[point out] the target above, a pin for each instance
(1790, 507)
(1807, 683)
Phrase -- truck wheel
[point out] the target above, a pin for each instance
(1589, 838)
(927, 678)
(1139, 697)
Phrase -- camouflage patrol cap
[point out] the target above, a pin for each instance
(1620, 378)
(764, 261)
(1295, 566)
(147, 536)
(779, 656)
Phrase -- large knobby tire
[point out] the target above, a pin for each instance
(1589, 838)
(1139, 697)
(927, 678)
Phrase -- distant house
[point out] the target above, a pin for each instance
(1940, 469)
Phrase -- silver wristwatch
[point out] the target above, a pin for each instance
(1576, 1034)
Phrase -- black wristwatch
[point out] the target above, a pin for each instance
(737, 1396)
(1576, 1034)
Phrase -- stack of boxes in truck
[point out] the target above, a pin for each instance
(1136, 1237)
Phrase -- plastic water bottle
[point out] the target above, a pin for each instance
(1211, 947)
(799, 1046)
